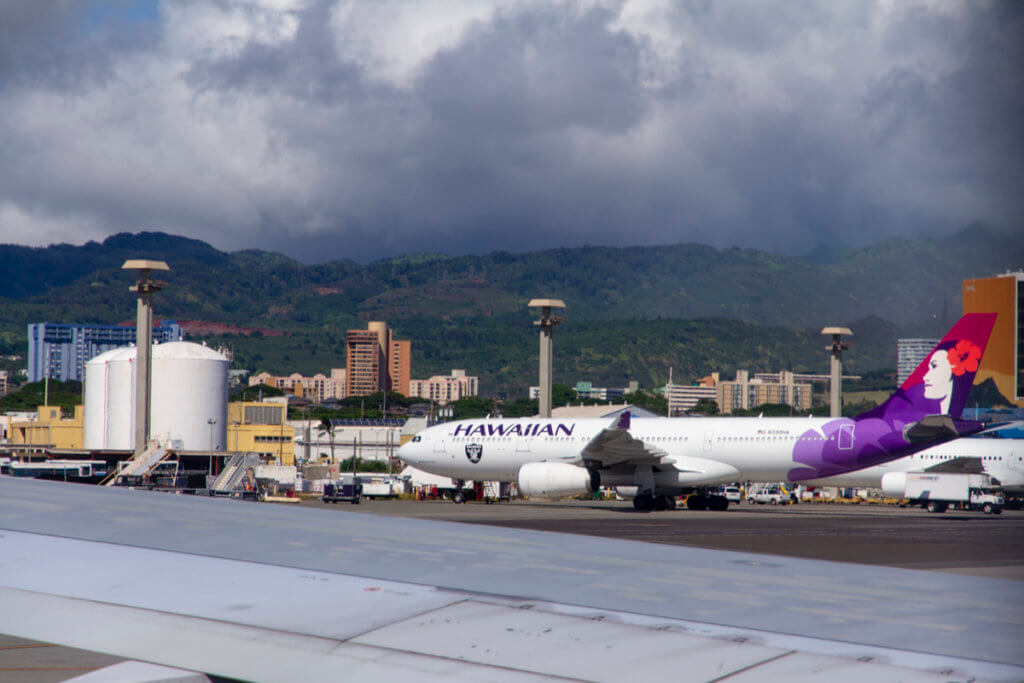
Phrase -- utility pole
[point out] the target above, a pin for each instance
(145, 288)
(547, 324)
(836, 366)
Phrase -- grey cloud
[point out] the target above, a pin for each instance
(543, 127)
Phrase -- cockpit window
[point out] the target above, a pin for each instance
(417, 438)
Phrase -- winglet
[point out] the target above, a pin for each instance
(623, 422)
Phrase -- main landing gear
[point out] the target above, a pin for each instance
(646, 502)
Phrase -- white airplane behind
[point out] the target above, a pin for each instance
(665, 457)
(1001, 459)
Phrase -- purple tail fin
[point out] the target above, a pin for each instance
(940, 384)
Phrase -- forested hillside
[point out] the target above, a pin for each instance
(632, 312)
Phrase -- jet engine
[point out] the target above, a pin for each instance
(556, 479)
(894, 484)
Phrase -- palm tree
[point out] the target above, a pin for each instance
(326, 427)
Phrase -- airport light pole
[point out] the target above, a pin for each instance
(836, 366)
(211, 421)
(145, 288)
(547, 324)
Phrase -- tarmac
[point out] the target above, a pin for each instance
(959, 542)
(969, 543)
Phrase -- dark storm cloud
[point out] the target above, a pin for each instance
(333, 129)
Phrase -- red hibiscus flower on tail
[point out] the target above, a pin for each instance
(964, 357)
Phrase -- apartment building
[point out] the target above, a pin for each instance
(444, 389)
(744, 393)
(316, 388)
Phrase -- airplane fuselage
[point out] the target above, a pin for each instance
(703, 450)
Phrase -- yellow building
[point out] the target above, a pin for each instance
(49, 429)
(1003, 361)
(255, 427)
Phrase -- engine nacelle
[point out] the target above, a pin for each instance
(556, 480)
(894, 484)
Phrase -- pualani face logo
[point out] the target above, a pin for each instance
(474, 451)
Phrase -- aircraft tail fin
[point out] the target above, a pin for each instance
(940, 384)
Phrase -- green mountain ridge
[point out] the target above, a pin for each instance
(632, 312)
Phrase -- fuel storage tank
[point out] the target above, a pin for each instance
(97, 377)
(189, 398)
(109, 399)
(189, 404)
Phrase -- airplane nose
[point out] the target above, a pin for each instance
(406, 452)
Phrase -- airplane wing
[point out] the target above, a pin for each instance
(266, 592)
(616, 446)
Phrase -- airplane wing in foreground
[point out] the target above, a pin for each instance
(279, 593)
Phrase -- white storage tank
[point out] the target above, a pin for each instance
(95, 430)
(119, 387)
(190, 389)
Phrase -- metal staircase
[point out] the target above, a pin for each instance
(235, 472)
(140, 465)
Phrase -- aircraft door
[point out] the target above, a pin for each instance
(845, 437)
(522, 444)
(439, 446)
(1015, 459)
(709, 438)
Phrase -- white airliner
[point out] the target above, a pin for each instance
(665, 457)
(1002, 459)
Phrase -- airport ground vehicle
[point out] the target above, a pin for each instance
(347, 489)
(772, 494)
(936, 492)
(730, 493)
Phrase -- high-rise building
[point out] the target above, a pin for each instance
(400, 366)
(909, 354)
(1003, 361)
(376, 362)
(60, 351)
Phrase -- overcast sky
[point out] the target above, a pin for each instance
(364, 129)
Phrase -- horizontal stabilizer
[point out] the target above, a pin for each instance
(939, 428)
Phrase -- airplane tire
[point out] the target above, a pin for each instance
(718, 503)
(661, 503)
(643, 503)
(697, 503)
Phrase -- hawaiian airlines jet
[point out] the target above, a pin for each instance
(665, 457)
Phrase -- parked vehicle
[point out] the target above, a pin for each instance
(730, 493)
(347, 489)
(937, 491)
(772, 494)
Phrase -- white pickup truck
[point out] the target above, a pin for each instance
(936, 491)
